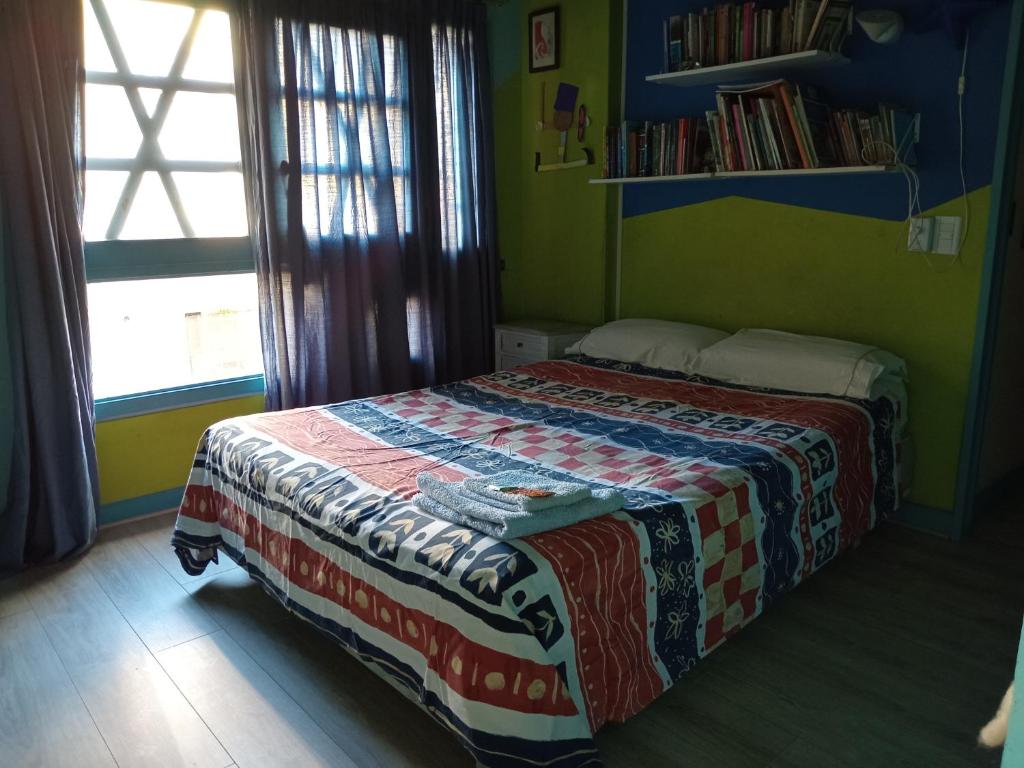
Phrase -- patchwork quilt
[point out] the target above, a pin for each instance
(525, 648)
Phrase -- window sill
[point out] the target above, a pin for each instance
(111, 408)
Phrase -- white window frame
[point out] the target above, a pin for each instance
(187, 256)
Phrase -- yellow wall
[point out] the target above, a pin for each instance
(141, 455)
(553, 227)
(754, 264)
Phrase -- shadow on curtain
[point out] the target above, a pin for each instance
(366, 147)
(50, 506)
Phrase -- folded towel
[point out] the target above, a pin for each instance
(562, 493)
(457, 504)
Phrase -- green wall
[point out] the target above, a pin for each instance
(730, 263)
(734, 263)
(553, 228)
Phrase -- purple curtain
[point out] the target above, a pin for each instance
(366, 148)
(49, 510)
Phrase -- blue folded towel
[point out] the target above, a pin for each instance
(457, 504)
(563, 493)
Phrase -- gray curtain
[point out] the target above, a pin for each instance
(50, 507)
(368, 161)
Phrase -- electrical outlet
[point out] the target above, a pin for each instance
(919, 238)
(947, 235)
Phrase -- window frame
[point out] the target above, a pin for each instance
(114, 259)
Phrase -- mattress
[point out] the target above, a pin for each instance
(525, 648)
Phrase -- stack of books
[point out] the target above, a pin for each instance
(778, 126)
(733, 32)
(762, 127)
(671, 148)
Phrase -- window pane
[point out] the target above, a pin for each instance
(150, 97)
(151, 216)
(97, 54)
(150, 33)
(155, 334)
(111, 130)
(102, 191)
(214, 203)
(211, 53)
(201, 126)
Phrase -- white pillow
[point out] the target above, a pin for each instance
(789, 361)
(654, 343)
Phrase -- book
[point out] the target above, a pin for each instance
(819, 18)
(714, 132)
(756, 147)
(783, 130)
(786, 96)
(835, 26)
(786, 31)
(725, 123)
(867, 141)
(816, 120)
(768, 131)
(675, 42)
(739, 122)
(747, 50)
(664, 47)
(711, 26)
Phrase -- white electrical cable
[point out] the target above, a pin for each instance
(961, 88)
(870, 153)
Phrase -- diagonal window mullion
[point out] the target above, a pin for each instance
(163, 107)
(150, 128)
(138, 109)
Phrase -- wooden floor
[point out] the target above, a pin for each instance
(891, 657)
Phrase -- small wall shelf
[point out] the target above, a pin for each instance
(587, 159)
(771, 67)
(841, 171)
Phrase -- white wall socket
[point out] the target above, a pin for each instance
(947, 235)
(919, 237)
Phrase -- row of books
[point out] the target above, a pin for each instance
(672, 148)
(763, 127)
(729, 33)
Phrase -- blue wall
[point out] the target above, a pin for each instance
(918, 73)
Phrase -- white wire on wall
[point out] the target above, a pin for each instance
(961, 88)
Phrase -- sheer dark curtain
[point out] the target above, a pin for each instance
(50, 508)
(369, 170)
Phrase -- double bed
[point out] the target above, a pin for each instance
(525, 648)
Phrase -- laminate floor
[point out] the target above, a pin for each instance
(892, 656)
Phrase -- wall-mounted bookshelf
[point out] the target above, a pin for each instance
(771, 67)
(840, 171)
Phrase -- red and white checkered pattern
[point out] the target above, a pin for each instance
(732, 572)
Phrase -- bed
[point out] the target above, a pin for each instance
(525, 648)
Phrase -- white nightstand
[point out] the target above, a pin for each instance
(530, 341)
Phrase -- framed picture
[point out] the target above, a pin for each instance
(544, 39)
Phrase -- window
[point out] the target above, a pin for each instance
(172, 295)
(340, 109)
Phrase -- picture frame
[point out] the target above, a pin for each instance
(544, 36)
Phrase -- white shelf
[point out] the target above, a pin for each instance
(771, 68)
(841, 171)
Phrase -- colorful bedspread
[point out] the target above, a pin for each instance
(525, 648)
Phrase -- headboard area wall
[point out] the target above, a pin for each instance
(828, 255)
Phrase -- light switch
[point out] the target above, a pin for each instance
(948, 230)
(919, 237)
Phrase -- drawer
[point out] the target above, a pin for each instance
(524, 344)
(506, 361)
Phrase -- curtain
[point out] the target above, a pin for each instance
(50, 507)
(369, 173)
